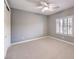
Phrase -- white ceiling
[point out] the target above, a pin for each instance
(30, 5)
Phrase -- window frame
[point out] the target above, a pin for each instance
(65, 27)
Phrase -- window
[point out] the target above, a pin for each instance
(64, 26)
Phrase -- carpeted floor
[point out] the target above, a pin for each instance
(41, 49)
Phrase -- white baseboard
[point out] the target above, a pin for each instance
(29, 40)
(42, 38)
(61, 40)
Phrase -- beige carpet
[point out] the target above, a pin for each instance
(41, 49)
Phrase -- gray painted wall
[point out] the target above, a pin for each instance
(52, 24)
(26, 25)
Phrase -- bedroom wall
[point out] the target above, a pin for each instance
(7, 29)
(26, 25)
(52, 24)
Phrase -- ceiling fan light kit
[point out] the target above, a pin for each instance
(45, 9)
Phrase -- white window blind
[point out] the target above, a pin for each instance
(64, 26)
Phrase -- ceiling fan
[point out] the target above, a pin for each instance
(45, 5)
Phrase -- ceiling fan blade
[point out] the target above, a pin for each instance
(53, 5)
(43, 3)
(40, 7)
(52, 9)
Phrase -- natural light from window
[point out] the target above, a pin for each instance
(64, 26)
